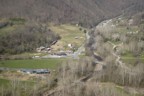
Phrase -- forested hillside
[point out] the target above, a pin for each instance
(18, 36)
(85, 12)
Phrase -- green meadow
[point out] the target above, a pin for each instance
(3, 82)
(32, 63)
(133, 61)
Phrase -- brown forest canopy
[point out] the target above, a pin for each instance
(26, 38)
(86, 12)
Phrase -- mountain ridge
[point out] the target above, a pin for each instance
(85, 12)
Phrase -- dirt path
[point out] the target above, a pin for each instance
(120, 63)
(102, 27)
(118, 58)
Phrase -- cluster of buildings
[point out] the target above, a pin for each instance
(43, 49)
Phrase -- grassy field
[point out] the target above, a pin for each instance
(3, 82)
(130, 59)
(6, 85)
(17, 23)
(32, 63)
(70, 34)
(133, 61)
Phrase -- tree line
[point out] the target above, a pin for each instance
(26, 39)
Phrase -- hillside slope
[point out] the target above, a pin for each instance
(115, 41)
(87, 12)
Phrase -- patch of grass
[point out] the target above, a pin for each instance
(133, 61)
(129, 58)
(6, 85)
(127, 54)
(16, 23)
(25, 55)
(118, 89)
(122, 91)
(125, 29)
(8, 29)
(4, 82)
(70, 34)
(32, 63)
(17, 20)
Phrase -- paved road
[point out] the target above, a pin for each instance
(82, 48)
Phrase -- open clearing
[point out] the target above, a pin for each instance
(3, 82)
(31, 63)
(133, 61)
(70, 34)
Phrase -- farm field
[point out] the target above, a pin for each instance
(70, 34)
(32, 63)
